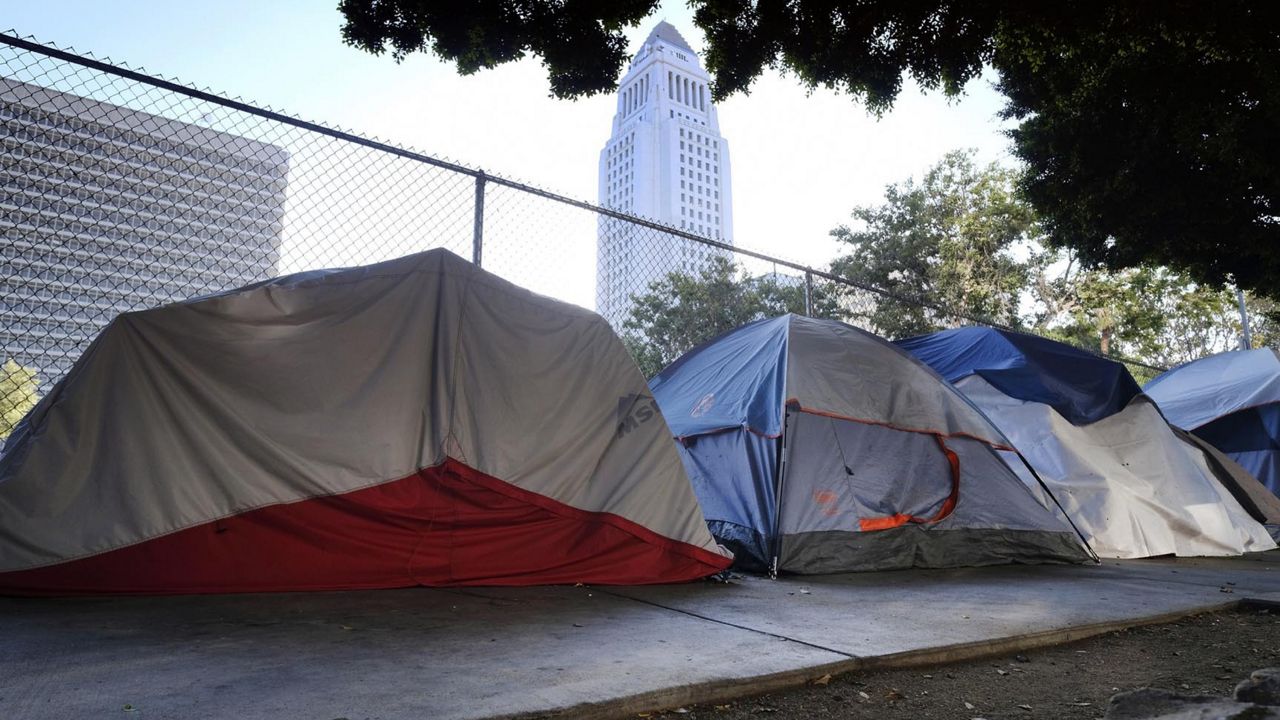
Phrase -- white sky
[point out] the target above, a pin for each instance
(800, 162)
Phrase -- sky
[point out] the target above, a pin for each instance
(801, 161)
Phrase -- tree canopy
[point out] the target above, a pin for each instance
(684, 310)
(1141, 127)
(19, 392)
(963, 245)
(1147, 128)
(944, 246)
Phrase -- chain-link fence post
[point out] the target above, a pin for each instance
(1246, 342)
(477, 236)
(808, 292)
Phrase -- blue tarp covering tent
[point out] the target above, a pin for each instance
(1129, 481)
(817, 447)
(1232, 401)
(1081, 386)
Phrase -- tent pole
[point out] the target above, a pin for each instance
(776, 541)
(1047, 491)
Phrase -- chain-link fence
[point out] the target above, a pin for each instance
(121, 191)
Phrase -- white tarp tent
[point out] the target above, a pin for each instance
(1126, 479)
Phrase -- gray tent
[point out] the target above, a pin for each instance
(817, 447)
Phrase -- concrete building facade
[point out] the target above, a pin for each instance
(105, 209)
(665, 160)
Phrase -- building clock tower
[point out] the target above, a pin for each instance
(666, 161)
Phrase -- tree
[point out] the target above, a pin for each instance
(682, 311)
(1155, 314)
(1141, 132)
(19, 392)
(942, 249)
(581, 44)
(1264, 321)
(1147, 127)
(963, 245)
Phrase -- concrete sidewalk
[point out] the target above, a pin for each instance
(599, 652)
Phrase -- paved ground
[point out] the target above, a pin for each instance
(1203, 654)
(601, 652)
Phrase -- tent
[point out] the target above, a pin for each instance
(418, 421)
(816, 447)
(1124, 476)
(1232, 401)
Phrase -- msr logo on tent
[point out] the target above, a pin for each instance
(634, 410)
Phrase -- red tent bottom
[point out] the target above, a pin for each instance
(446, 525)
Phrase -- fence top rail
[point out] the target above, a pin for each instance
(11, 39)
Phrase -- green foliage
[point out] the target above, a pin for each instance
(966, 242)
(19, 388)
(1147, 128)
(1264, 321)
(682, 311)
(948, 240)
(1142, 130)
(1155, 314)
(581, 44)
(862, 48)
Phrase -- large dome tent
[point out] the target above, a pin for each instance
(360, 428)
(1124, 476)
(816, 447)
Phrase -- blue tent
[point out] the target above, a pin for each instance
(1083, 387)
(1232, 401)
(1135, 486)
(814, 446)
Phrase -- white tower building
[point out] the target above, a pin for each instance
(665, 161)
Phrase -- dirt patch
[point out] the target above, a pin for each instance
(1204, 654)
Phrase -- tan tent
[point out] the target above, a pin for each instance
(419, 421)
